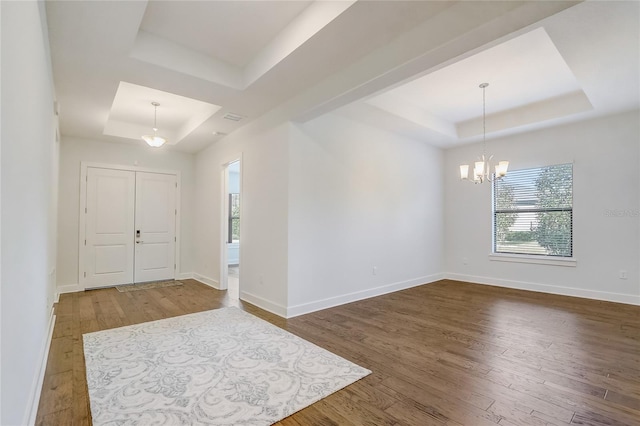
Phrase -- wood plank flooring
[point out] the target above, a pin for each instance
(447, 353)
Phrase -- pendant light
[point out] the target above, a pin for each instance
(154, 140)
(482, 167)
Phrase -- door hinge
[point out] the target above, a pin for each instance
(175, 239)
(85, 275)
(176, 184)
(85, 242)
(176, 212)
(85, 210)
(174, 266)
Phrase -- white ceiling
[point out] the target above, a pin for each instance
(531, 84)
(453, 90)
(132, 113)
(409, 67)
(528, 72)
(232, 31)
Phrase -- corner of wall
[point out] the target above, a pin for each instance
(204, 280)
(263, 303)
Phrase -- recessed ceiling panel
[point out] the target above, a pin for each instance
(521, 71)
(525, 73)
(132, 114)
(229, 31)
(232, 43)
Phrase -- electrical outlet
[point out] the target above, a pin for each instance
(622, 274)
(374, 271)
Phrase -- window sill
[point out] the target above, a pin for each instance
(540, 260)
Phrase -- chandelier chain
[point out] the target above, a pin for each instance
(484, 119)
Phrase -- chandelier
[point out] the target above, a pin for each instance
(154, 140)
(482, 167)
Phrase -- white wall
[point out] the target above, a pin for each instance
(360, 198)
(605, 154)
(322, 203)
(263, 227)
(73, 151)
(29, 180)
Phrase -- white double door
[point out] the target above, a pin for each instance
(130, 227)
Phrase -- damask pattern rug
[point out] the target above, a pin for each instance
(220, 367)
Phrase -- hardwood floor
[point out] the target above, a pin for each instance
(445, 353)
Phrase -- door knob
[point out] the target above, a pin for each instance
(138, 242)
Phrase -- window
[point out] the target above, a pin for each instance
(234, 218)
(533, 212)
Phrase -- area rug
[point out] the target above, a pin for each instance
(220, 367)
(146, 286)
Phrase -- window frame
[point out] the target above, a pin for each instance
(231, 218)
(534, 258)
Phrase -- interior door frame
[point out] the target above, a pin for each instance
(83, 205)
(224, 223)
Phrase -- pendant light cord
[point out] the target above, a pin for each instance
(155, 115)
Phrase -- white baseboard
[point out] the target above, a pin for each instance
(546, 288)
(265, 304)
(206, 280)
(306, 308)
(184, 276)
(36, 387)
(68, 288)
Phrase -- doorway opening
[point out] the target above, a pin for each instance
(232, 235)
